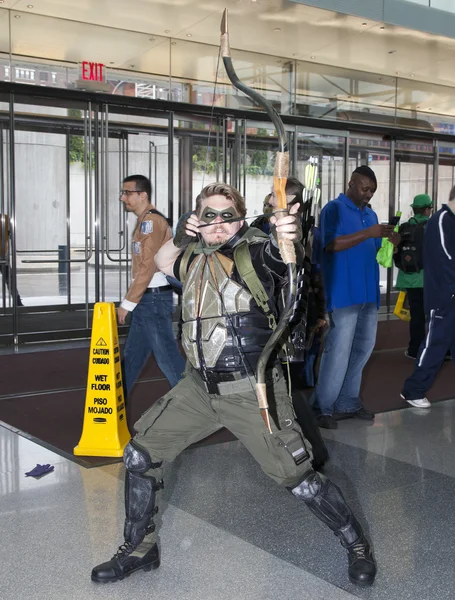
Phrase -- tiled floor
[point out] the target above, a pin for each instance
(228, 532)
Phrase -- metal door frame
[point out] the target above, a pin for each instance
(96, 128)
(89, 125)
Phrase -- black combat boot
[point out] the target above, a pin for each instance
(125, 561)
(361, 565)
(326, 501)
(139, 551)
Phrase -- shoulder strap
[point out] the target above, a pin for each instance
(153, 211)
(244, 264)
(183, 269)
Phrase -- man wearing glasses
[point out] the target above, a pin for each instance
(149, 297)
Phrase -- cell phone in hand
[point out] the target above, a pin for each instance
(395, 220)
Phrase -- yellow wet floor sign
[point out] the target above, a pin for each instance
(105, 431)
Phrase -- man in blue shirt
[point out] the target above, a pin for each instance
(439, 301)
(351, 237)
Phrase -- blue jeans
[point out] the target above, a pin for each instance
(347, 347)
(151, 332)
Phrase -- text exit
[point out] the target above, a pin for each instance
(93, 71)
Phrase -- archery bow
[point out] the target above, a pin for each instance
(286, 246)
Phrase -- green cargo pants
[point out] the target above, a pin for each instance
(188, 413)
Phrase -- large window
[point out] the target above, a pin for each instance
(180, 70)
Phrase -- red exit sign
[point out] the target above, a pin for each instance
(93, 71)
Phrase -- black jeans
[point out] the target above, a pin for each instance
(417, 323)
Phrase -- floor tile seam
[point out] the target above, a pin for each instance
(390, 458)
(403, 487)
(35, 440)
(258, 547)
(47, 446)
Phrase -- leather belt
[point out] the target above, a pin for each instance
(154, 290)
(234, 386)
(223, 376)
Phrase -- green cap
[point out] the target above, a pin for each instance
(422, 201)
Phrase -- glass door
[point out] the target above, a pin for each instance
(48, 180)
(330, 150)
(69, 236)
(130, 146)
(446, 173)
(416, 168)
(414, 173)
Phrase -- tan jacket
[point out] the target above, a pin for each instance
(151, 232)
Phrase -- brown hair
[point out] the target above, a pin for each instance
(452, 195)
(222, 189)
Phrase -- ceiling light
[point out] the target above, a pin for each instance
(112, 62)
(364, 24)
(132, 66)
(412, 75)
(189, 35)
(167, 31)
(277, 29)
(312, 57)
(295, 54)
(254, 0)
(173, 43)
(382, 27)
(17, 16)
(392, 51)
(397, 72)
(29, 5)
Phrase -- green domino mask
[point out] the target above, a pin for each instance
(209, 214)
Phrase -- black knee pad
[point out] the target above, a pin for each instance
(140, 493)
(309, 487)
(137, 459)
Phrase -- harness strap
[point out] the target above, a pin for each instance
(244, 264)
(183, 270)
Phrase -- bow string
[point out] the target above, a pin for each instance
(286, 247)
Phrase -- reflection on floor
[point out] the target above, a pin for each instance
(228, 532)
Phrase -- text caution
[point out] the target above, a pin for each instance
(105, 431)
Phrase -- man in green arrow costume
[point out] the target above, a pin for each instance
(224, 330)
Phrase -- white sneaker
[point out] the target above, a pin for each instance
(420, 403)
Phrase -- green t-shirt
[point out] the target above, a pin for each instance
(411, 280)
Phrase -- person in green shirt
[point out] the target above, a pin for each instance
(412, 283)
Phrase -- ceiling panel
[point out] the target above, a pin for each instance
(269, 27)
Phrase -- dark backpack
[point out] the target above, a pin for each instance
(409, 254)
